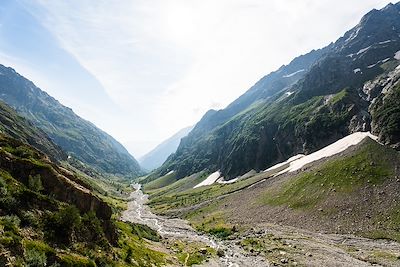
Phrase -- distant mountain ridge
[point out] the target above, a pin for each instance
(315, 100)
(76, 136)
(156, 157)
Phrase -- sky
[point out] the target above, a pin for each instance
(141, 70)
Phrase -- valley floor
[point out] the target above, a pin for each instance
(267, 244)
(175, 230)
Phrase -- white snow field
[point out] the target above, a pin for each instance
(333, 149)
(212, 178)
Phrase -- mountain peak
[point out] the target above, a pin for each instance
(290, 110)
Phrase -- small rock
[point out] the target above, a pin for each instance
(308, 254)
(220, 253)
(284, 261)
(203, 250)
(260, 232)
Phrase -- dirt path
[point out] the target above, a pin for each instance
(234, 255)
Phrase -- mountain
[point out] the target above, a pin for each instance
(315, 100)
(156, 157)
(15, 126)
(47, 209)
(76, 136)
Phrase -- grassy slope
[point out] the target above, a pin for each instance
(181, 194)
(370, 165)
(161, 182)
(365, 181)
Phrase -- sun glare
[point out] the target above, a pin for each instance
(179, 22)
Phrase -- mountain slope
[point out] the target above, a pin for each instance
(78, 137)
(341, 198)
(12, 125)
(323, 101)
(156, 157)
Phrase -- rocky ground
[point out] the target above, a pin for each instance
(289, 246)
(230, 253)
(270, 244)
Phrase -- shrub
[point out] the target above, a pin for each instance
(10, 223)
(221, 232)
(35, 183)
(29, 218)
(37, 252)
(35, 258)
(9, 231)
(61, 224)
(75, 261)
(91, 230)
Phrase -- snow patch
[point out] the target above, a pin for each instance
(353, 35)
(294, 73)
(380, 61)
(279, 165)
(363, 50)
(171, 172)
(222, 181)
(289, 93)
(328, 98)
(212, 178)
(397, 55)
(357, 70)
(385, 42)
(333, 149)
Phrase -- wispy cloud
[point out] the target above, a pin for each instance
(165, 62)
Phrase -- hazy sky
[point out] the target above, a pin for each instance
(143, 69)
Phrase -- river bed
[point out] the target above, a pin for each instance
(178, 229)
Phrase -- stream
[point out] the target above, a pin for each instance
(139, 212)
